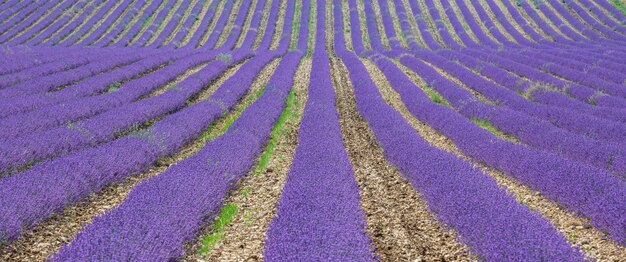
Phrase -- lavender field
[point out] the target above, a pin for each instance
(295, 130)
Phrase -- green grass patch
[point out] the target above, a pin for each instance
(295, 25)
(484, 123)
(225, 57)
(278, 129)
(228, 211)
(225, 217)
(213, 131)
(435, 96)
(619, 5)
(113, 87)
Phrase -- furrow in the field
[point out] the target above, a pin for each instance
(251, 28)
(89, 132)
(319, 216)
(602, 16)
(96, 85)
(183, 26)
(34, 19)
(476, 24)
(163, 19)
(63, 10)
(379, 22)
(615, 9)
(230, 22)
(575, 21)
(218, 24)
(11, 6)
(578, 231)
(574, 185)
(103, 33)
(240, 235)
(399, 222)
(347, 31)
(70, 74)
(146, 25)
(65, 20)
(494, 27)
(497, 9)
(129, 22)
(51, 234)
(486, 14)
(557, 19)
(357, 7)
(99, 20)
(207, 28)
(433, 41)
(440, 25)
(126, 156)
(535, 88)
(421, 14)
(454, 16)
(202, 180)
(199, 19)
(504, 24)
(296, 22)
(580, 92)
(170, 25)
(521, 21)
(270, 6)
(7, 27)
(376, 37)
(560, 131)
(458, 33)
(480, 218)
(7, 15)
(78, 27)
(391, 28)
(278, 26)
(586, 19)
(389, 9)
(538, 20)
(60, 65)
(556, 66)
(255, 198)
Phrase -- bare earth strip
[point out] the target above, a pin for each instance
(196, 24)
(165, 21)
(99, 23)
(261, 29)
(246, 23)
(230, 23)
(216, 16)
(129, 25)
(259, 192)
(181, 22)
(398, 219)
(41, 18)
(579, 232)
(48, 236)
(278, 29)
(75, 16)
(261, 80)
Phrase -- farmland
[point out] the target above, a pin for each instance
(295, 130)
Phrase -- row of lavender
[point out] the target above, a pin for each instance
(76, 119)
(69, 114)
(572, 135)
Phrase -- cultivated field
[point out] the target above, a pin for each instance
(295, 130)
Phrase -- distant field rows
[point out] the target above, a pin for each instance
(346, 130)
